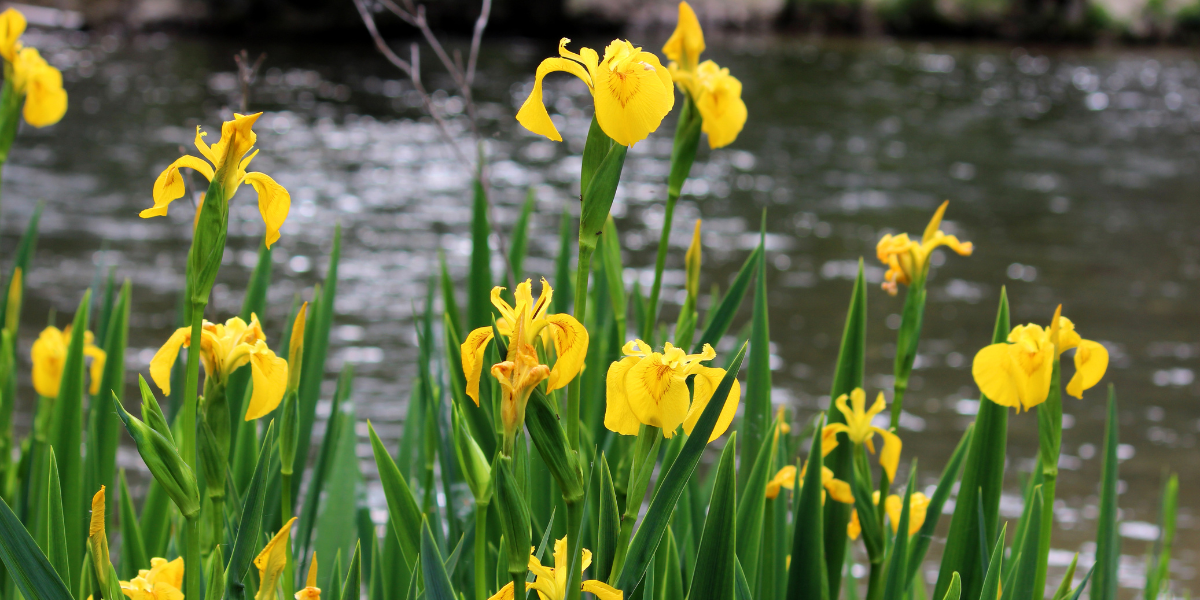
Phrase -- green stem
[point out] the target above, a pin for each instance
(191, 575)
(190, 390)
(574, 547)
(582, 273)
(1049, 482)
(518, 580)
(218, 521)
(875, 581)
(660, 262)
(481, 588)
(285, 500)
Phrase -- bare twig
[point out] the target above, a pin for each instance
(247, 74)
(480, 24)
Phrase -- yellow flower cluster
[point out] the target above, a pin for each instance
(163, 581)
(918, 504)
(907, 260)
(49, 353)
(717, 94)
(30, 74)
(859, 429)
(551, 582)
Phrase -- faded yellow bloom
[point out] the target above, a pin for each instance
(271, 562)
(917, 505)
(907, 260)
(229, 157)
(163, 581)
(786, 478)
(1017, 373)
(97, 538)
(31, 76)
(631, 89)
(223, 350)
(717, 94)
(49, 353)
(551, 583)
(564, 332)
(859, 429)
(506, 592)
(310, 591)
(12, 25)
(651, 388)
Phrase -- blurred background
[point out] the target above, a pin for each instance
(1065, 133)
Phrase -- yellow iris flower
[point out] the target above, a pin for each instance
(564, 332)
(651, 388)
(223, 350)
(49, 352)
(631, 89)
(310, 591)
(163, 581)
(551, 583)
(859, 429)
(271, 562)
(1017, 373)
(32, 76)
(907, 260)
(229, 157)
(717, 94)
(918, 505)
(786, 478)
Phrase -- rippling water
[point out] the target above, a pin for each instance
(1072, 171)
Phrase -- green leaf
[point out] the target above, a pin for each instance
(983, 470)
(65, 437)
(56, 533)
(671, 486)
(610, 254)
(344, 489)
(563, 293)
(599, 191)
(1064, 586)
(808, 576)
(479, 278)
(847, 375)
(990, 585)
(1024, 578)
(437, 582)
(404, 515)
(609, 523)
(29, 569)
(896, 587)
(933, 512)
(751, 509)
(954, 591)
(352, 586)
(721, 316)
(716, 563)
(155, 519)
(1079, 590)
(250, 523)
(519, 240)
(104, 428)
(215, 575)
(24, 254)
(133, 548)
(1159, 572)
(321, 471)
(757, 416)
(1108, 540)
(550, 439)
(595, 149)
(333, 581)
(449, 304)
(670, 571)
(683, 151)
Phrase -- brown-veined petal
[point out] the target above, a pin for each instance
(571, 344)
(618, 416)
(533, 115)
(169, 185)
(602, 590)
(633, 93)
(657, 395)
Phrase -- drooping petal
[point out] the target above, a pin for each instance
(1091, 361)
(274, 202)
(571, 344)
(633, 93)
(838, 490)
(164, 359)
(602, 590)
(269, 374)
(784, 478)
(271, 562)
(45, 98)
(533, 115)
(656, 394)
(829, 439)
(687, 41)
(889, 455)
(97, 369)
(703, 387)
(996, 374)
(169, 185)
(505, 593)
(718, 96)
(618, 416)
(472, 351)
(12, 25)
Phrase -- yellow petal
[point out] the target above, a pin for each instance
(996, 373)
(687, 41)
(45, 98)
(893, 506)
(1091, 361)
(237, 138)
(935, 223)
(785, 478)
(571, 344)
(12, 25)
(271, 561)
(839, 490)
(703, 387)
(472, 351)
(918, 505)
(269, 374)
(164, 359)
(657, 395)
(533, 115)
(97, 539)
(829, 439)
(719, 99)
(169, 185)
(602, 590)
(48, 354)
(1037, 384)
(164, 572)
(273, 202)
(618, 416)
(505, 593)
(889, 456)
(633, 93)
(97, 370)
(853, 528)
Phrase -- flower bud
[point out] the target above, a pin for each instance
(514, 515)
(472, 461)
(161, 457)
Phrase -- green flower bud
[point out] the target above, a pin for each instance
(514, 515)
(472, 461)
(162, 458)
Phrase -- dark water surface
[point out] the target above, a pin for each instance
(1072, 171)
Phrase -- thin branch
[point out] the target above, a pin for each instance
(480, 24)
(247, 74)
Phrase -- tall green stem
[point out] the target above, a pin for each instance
(191, 575)
(660, 262)
(218, 520)
(285, 499)
(190, 389)
(574, 547)
(875, 581)
(575, 509)
(481, 588)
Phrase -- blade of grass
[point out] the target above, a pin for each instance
(756, 419)
(716, 563)
(1108, 540)
(808, 575)
(133, 548)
